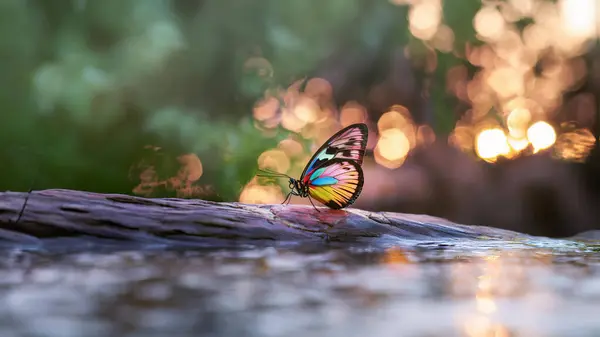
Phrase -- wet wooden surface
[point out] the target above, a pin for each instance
(121, 219)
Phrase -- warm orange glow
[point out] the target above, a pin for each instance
(541, 135)
(392, 148)
(393, 144)
(489, 23)
(306, 109)
(291, 148)
(319, 89)
(398, 117)
(394, 256)
(518, 121)
(352, 113)
(518, 144)
(482, 326)
(191, 169)
(533, 108)
(182, 182)
(321, 131)
(290, 121)
(256, 194)
(576, 145)
(481, 323)
(486, 304)
(521, 75)
(294, 109)
(148, 182)
(462, 138)
(506, 82)
(492, 143)
(480, 56)
(425, 17)
(580, 17)
(275, 160)
(523, 7)
(266, 109)
(536, 37)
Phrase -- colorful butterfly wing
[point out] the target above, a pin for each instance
(336, 184)
(348, 143)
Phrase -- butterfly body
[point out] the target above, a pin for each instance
(299, 188)
(333, 176)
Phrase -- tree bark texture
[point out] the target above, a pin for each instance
(67, 217)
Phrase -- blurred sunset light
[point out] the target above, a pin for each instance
(392, 148)
(492, 143)
(541, 135)
(520, 74)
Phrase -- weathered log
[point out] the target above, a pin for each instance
(66, 217)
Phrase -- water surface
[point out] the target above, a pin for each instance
(496, 289)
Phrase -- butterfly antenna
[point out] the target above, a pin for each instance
(313, 205)
(269, 173)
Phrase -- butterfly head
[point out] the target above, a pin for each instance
(298, 188)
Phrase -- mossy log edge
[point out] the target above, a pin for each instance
(85, 217)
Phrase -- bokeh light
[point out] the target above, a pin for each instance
(397, 118)
(351, 113)
(529, 54)
(580, 17)
(392, 148)
(489, 23)
(191, 167)
(291, 148)
(275, 160)
(518, 144)
(517, 122)
(306, 110)
(424, 18)
(492, 143)
(181, 182)
(265, 112)
(575, 145)
(462, 138)
(291, 121)
(541, 135)
(253, 193)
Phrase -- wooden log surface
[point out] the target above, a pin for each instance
(74, 218)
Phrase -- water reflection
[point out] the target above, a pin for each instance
(482, 322)
(271, 292)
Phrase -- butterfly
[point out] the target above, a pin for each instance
(333, 175)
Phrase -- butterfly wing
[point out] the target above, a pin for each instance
(348, 143)
(336, 184)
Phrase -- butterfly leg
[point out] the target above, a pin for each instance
(313, 205)
(287, 198)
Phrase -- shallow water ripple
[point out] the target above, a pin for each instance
(444, 290)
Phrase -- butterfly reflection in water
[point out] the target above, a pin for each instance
(333, 176)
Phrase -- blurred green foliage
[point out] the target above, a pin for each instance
(87, 84)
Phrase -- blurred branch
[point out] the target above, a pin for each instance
(85, 217)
